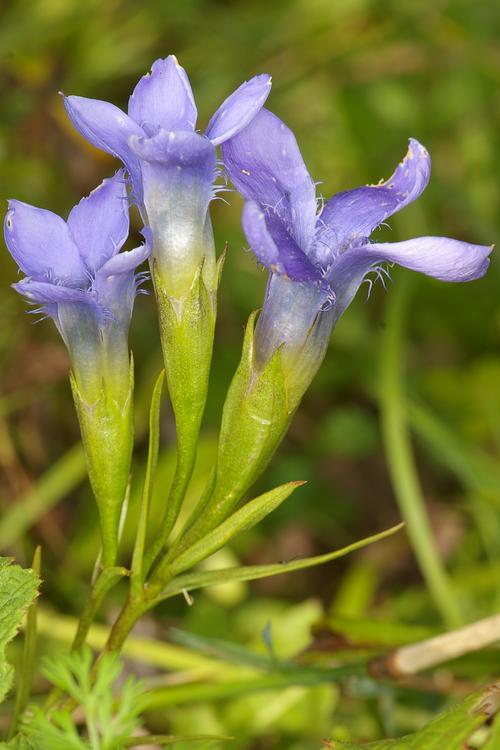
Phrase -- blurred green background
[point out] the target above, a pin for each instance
(353, 79)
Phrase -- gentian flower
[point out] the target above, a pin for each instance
(77, 276)
(171, 166)
(172, 169)
(317, 261)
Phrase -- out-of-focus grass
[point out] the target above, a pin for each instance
(354, 79)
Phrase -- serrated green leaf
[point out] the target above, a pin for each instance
(450, 730)
(244, 518)
(27, 669)
(18, 588)
(253, 572)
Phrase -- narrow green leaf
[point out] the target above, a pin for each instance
(227, 651)
(450, 730)
(154, 444)
(253, 572)
(244, 518)
(18, 588)
(27, 669)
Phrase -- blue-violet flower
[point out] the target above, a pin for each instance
(171, 166)
(318, 260)
(76, 274)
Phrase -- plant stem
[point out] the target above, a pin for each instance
(400, 456)
(134, 608)
(103, 583)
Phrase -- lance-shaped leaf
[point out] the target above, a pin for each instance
(203, 579)
(244, 518)
(18, 588)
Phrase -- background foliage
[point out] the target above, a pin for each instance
(354, 79)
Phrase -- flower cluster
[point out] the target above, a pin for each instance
(77, 273)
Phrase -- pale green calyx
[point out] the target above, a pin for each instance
(106, 425)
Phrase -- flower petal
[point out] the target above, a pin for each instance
(100, 222)
(351, 216)
(163, 99)
(239, 109)
(266, 166)
(125, 262)
(108, 128)
(44, 293)
(42, 245)
(274, 248)
(440, 257)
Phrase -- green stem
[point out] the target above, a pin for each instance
(138, 570)
(400, 458)
(134, 608)
(104, 582)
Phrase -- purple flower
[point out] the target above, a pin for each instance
(76, 274)
(171, 167)
(318, 260)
